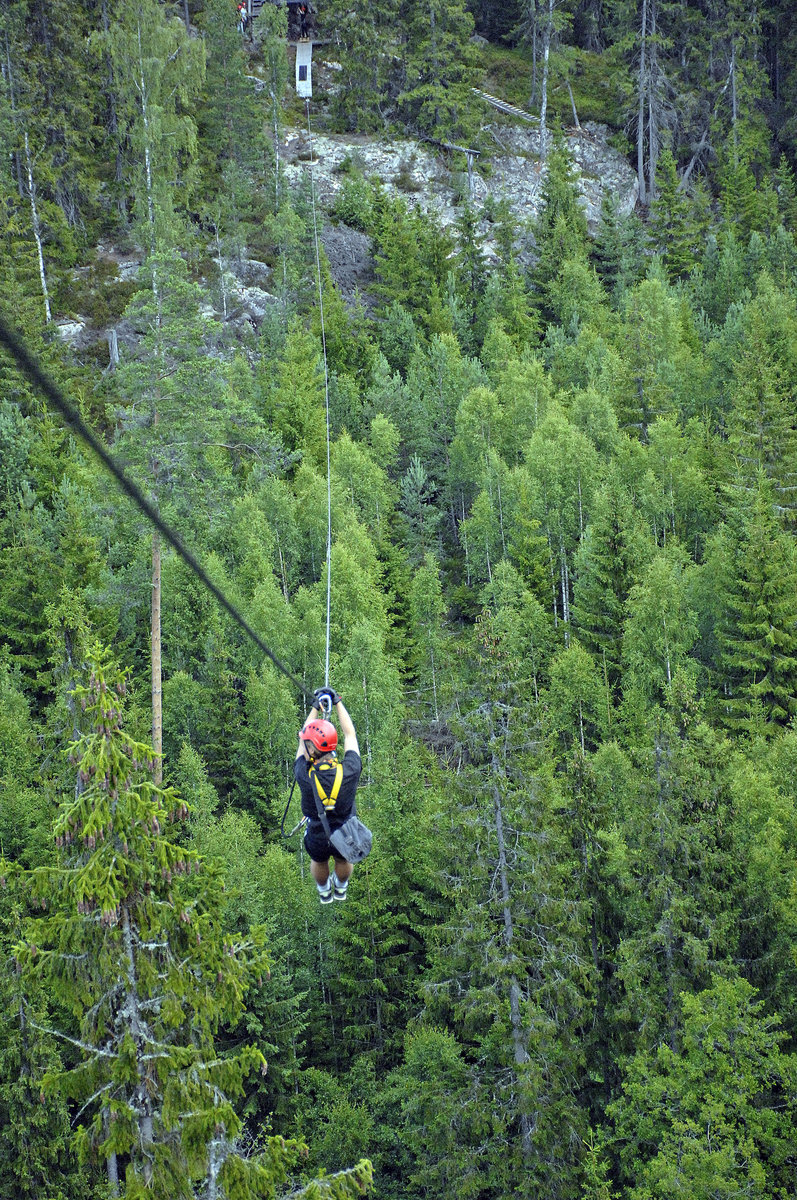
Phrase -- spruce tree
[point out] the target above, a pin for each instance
(471, 276)
(231, 116)
(764, 373)
(427, 652)
(656, 360)
(716, 1116)
(37, 1156)
(682, 923)
(608, 561)
(560, 231)
(508, 968)
(368, 36)
(786, 190)
(438, 71)
(131, 946)
(619, 246)
(719, 280)
(674, 232)
(758, 629)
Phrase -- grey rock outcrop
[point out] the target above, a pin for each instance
(417, 170)
(71, 331)
(349, 254)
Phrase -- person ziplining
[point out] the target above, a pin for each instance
(328, 789)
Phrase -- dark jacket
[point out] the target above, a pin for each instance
(352, 768)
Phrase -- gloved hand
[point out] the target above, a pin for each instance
(327, 697)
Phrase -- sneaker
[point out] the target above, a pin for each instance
(325, 891)
(338, 888)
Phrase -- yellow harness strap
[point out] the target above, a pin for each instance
(328, 801)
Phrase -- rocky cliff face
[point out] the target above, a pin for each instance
(516, 170)
(417, 170)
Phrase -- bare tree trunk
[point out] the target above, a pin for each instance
(113, 123)
(283, 576)
(465, 542)
(434, 687)
(215, 1163)
(220, 261)
(734, 108)
(139, 1034)
(500, 510)
(653, 129)
(564, 576)
(641, 86)
(276, 138)
(157, 685)
(26, 183)
(533, 95)
(520, 1052)
(576, 121)
(546, 54)
(111, 1162)
(552, 565)
(666, 924)
(157, 682)
(113, 348)
(34, 214)
(433, 48)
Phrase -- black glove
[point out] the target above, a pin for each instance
(327, 697)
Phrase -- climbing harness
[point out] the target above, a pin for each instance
(328, 799)
(352, 840)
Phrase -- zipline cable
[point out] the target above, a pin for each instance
(75, 422)
(326, 393)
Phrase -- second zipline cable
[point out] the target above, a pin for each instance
(326, 395)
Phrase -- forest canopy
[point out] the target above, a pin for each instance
(562, 578)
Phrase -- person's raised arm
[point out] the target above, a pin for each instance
(302, 749)
(346, 728)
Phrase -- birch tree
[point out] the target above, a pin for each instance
(158, 70)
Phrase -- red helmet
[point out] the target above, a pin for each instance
(322, 734)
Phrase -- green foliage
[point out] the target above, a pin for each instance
(560, 232)
(158, 71)
(675, 232)
(618, 246)
(438, 71)
(231, 118)
(763, 374)
(661, 628)
(716, 1114)
(36, 1152)
(123, 899)
(756, 632)
(562, 479)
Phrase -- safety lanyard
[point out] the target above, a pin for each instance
(328, 800)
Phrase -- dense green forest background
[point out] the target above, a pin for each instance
(564, 615)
